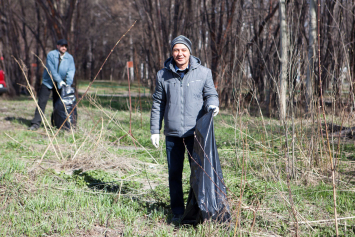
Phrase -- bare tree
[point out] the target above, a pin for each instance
(9, 45)
(238, 40)
(284, 47)
(312, 24)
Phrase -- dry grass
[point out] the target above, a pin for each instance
(96, 146)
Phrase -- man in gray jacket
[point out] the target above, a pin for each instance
(184, 92)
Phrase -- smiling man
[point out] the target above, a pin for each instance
(60, 64)
(184, 92)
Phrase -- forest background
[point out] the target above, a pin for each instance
(255, 48)
(287, 64)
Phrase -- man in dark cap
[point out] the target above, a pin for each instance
(60, 64)
(184, 92)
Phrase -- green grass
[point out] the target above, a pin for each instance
(99, 181)
(107, 88)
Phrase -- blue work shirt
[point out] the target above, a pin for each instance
(65, 72)
(180, 71)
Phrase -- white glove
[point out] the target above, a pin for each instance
(214, 108)
(155, 140)
(61, 84)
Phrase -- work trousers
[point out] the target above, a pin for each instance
(43, 97)
(175, 150)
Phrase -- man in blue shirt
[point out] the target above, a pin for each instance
(60, 69)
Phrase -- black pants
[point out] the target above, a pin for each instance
(43, 97)
(175, 150)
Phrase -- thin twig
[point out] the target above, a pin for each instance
(77, 151)
(241, 191)
(41, 114)
(322, 221)
(325, 121)
(17, 141)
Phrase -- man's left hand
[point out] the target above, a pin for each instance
(62, 83)
(214, 108)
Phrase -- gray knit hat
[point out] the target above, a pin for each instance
(181, 40)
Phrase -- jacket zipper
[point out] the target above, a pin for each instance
(182, 103)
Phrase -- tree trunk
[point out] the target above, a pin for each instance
(311, 52)
(352, 52)
(284, 60)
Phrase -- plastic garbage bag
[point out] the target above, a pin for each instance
(60, 114)
(208, 197)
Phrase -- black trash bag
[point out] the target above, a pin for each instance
(208, 197)
(59, 114)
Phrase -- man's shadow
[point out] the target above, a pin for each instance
(20, 120)
(97, 184)
(124, 188)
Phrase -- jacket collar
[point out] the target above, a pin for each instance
(65, 54)
(194, 63)
(178, 69)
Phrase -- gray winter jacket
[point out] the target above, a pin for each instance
(181, 102)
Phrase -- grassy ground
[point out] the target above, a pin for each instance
(113, 88)
(95, 181)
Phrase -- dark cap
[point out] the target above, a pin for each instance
(181, 40)
(62, 42)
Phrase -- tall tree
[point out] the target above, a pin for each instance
(284, 47)
(219, 20)
(9, 40)
(59, 17)
(312, 36)
(352, 48)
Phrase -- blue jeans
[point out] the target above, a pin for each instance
(175, 150)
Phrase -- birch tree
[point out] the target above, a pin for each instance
(312, 23)
(283, 60)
